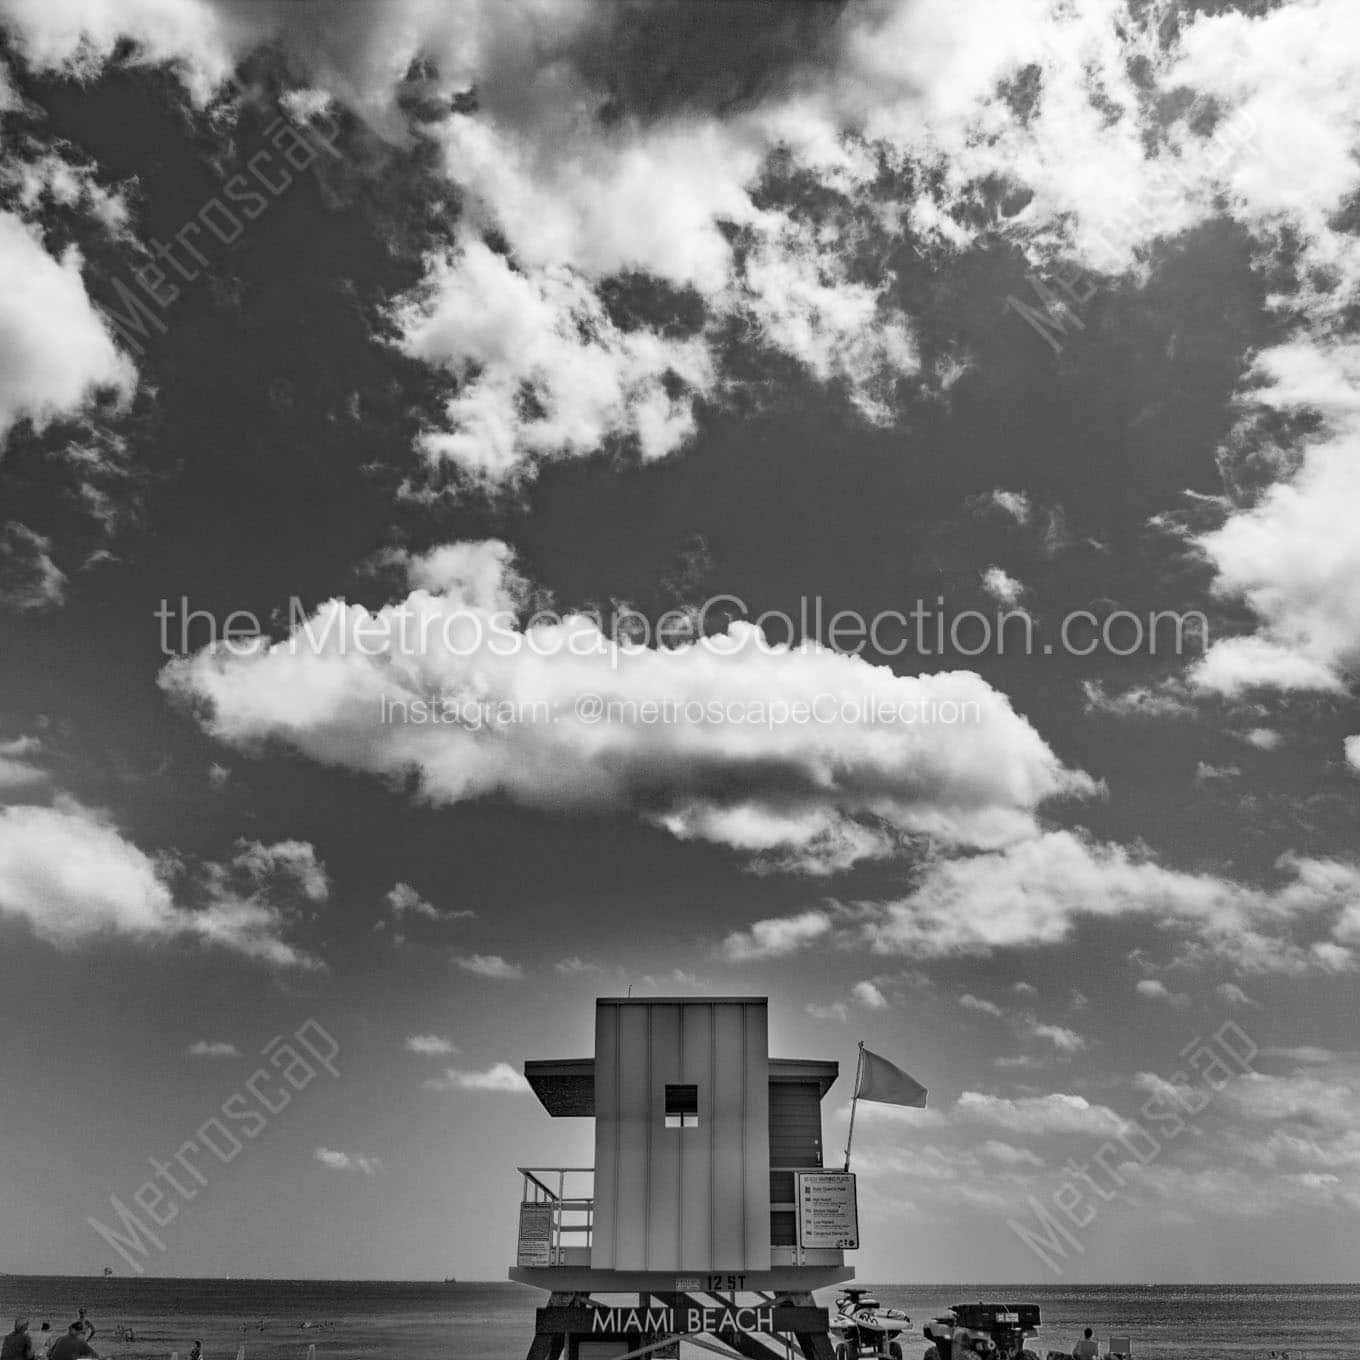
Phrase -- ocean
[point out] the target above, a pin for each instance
(350, 1320)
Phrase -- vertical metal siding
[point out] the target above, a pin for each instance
(681, 1199)
(756, 1188)
(795, 1140)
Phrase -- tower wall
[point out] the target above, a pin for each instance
(694, 1197)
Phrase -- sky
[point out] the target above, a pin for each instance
(515, 502)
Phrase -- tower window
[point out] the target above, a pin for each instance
(682, 1107)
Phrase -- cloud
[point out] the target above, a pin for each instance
(1293, 554)
(776, 937)
(677, 977)
(403, 900)
(1010, 1156)
(1063, 1039)
(498, 1077)
(1206, 773)
(74, 878)
(1309, 1054)
(1036, 891)
(1016, 504)
(350, 1161)
(1139, 702)
(1003, 588)
(17, 770)
(489, 966)
(1036, 1115)
(58, 353)
(430, 1045)
(353, 689)
(976, 1003)
(543, 372)
(1353, 751)
(834, 1010)
(1262, 738)
(1236, 997)
(1155, 990)
(1025, 1025)
(292, 860)
(868, 996)
(765, 184)
(209, 1048)
(29, 578)
(578, 967)
(80, 36)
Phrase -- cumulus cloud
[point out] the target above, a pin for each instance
(868, 996)
(498, 1077)
(1138, 702)
(833, 1010)
(1063, 1039)
(430, 1045)
(350, 1161)
(18, 770)
(1055, 1113)
(489, 966)
(29, 578)
(591, 144)
(402, 900)
(1293, 555)
(58, 353)
(213, 1048)
(578, 967)
(1236, 997)
(73, 877)
(1007, 1155)
(1001, 586)
(1036, 891)
(295, 860)
(349, 688)
(1153, 989)
(1026, 1025)
(976, 1003)
(543, 372)
(777, 937)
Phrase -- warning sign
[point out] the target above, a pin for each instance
(535, 1235)
(828, 1214)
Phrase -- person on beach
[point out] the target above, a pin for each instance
(72, 1346)
(197, 1352)
(1086, 1348)
(18, 1345)
(43, 1342)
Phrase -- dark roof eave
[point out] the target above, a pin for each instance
(566, 1086)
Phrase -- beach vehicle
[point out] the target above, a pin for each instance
(862, 1327)
(998, 1330)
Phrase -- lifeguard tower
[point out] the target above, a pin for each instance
(708, 1204)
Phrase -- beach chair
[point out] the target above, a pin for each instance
(1121, 1347)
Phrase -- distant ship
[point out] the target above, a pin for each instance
(108, 1270)
(448, 1279)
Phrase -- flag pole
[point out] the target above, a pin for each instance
(850, 1135)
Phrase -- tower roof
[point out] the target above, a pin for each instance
(566, 1086)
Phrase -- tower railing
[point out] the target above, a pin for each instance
(569, 1194)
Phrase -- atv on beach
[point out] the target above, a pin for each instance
(862, 1327)
(996, 1330)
